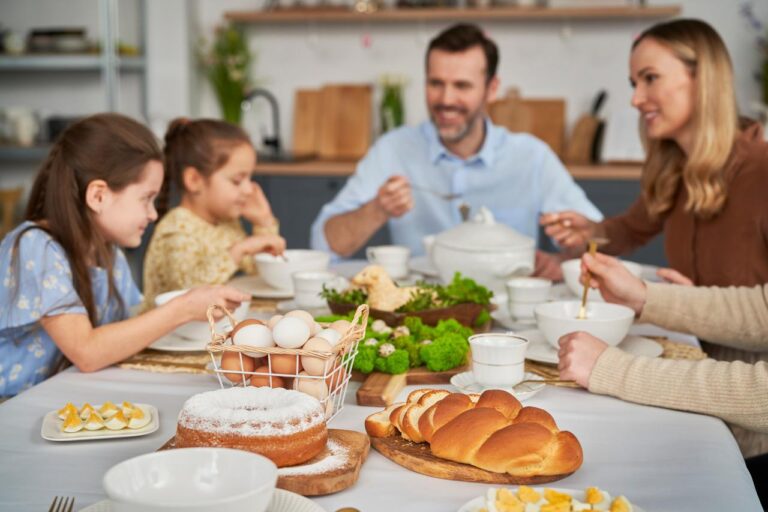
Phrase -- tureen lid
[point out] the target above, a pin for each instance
(482, 232)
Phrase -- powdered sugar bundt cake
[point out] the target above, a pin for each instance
(286, 426)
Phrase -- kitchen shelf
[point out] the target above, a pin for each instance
(628, 171)
(85, 62)
(452, 14)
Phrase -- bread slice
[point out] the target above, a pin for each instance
(378, 424)
(410, 421)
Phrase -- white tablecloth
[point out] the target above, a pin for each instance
(661, 459)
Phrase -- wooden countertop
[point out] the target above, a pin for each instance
(318, 168)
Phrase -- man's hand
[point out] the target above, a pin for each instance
(570, 230)
(394, 196)
(548, 266)
(578, 354)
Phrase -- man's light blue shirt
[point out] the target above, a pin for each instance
(515, 175)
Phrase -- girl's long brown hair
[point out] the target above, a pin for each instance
(204, 144)
(715, 124)
(109, 147)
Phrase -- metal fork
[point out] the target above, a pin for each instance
(447, 197)
(62, 504)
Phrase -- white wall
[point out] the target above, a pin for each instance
(544, 59)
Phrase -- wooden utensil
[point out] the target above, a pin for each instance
(583, 308)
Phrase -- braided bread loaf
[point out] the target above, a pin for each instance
(491, 431)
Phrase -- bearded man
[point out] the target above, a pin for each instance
(415, 178)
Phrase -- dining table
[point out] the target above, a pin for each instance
(662, 460)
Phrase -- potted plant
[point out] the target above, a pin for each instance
(227, 64)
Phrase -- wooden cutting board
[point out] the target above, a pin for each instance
(542, 117)
(346, 121)
(306, 121)
(311, 479)
(418, 458)
(381, 389)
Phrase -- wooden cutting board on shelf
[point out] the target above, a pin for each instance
(346, 121)
(381, 389)
(306, 121)
(418, 458)
(320, 476)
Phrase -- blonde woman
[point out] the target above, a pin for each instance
(705, 181)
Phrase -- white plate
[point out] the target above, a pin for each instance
(476, 504)
(423, 266)
(284, 306)
(174, 343)
(257, 287)
(466, 383)
(282, 501)
(51, 429)
(541, 351)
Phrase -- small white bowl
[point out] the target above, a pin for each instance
(277, 271)
(201, 330)
(192, 479)
(572, 271)
(498, 375)
(528, 289)
(522, 310)
(498, 348)
(609, 322)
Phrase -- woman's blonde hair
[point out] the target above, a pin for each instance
(714, 122)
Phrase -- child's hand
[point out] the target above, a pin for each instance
(197, 300)
(257, 210)
(273, 244)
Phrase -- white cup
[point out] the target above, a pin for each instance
(523, 311)
(394, 259)
(498, 359)
(307, 286)
(528, 289)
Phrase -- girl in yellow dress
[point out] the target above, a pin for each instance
(201, 241)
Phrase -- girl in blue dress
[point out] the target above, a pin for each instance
(66, 285)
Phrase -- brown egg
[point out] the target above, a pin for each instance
(231, 361)
(313, 387)
(342, 326)
(285, 363)
(273, 321)
(335, 377)
(316, 365)
(264, 380)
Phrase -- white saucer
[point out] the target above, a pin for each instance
(466, 383)
(478, 503)
(284, 306)
(174, 343)
(541, 351)
(282, 501)
(501, 316)
(423, 266)
(257, 287)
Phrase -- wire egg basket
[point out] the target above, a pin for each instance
(329, 386)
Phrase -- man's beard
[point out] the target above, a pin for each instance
(456, 135)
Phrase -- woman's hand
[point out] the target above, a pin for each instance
(672, 276)
(615, 282)
(579, 352)
(197, 300)
(257, 209)
(273, 244)
(570, 230)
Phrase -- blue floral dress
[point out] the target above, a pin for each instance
(40, 284)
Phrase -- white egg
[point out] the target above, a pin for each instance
(316, 365)
(332, 336)
(290, 332)
(273, 321)
(254, 333)
(315, 387)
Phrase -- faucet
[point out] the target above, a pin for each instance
(273, 141)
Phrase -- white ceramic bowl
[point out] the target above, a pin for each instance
(522, 310)
(609, 322)
(528, 289)
(498, 348)
(192, 479)
(277, 271)
(201, 330)
(572, 271)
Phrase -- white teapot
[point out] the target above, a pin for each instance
(483, 250)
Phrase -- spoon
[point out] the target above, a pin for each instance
(583, 308)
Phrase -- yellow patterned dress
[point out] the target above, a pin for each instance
(187, 251)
